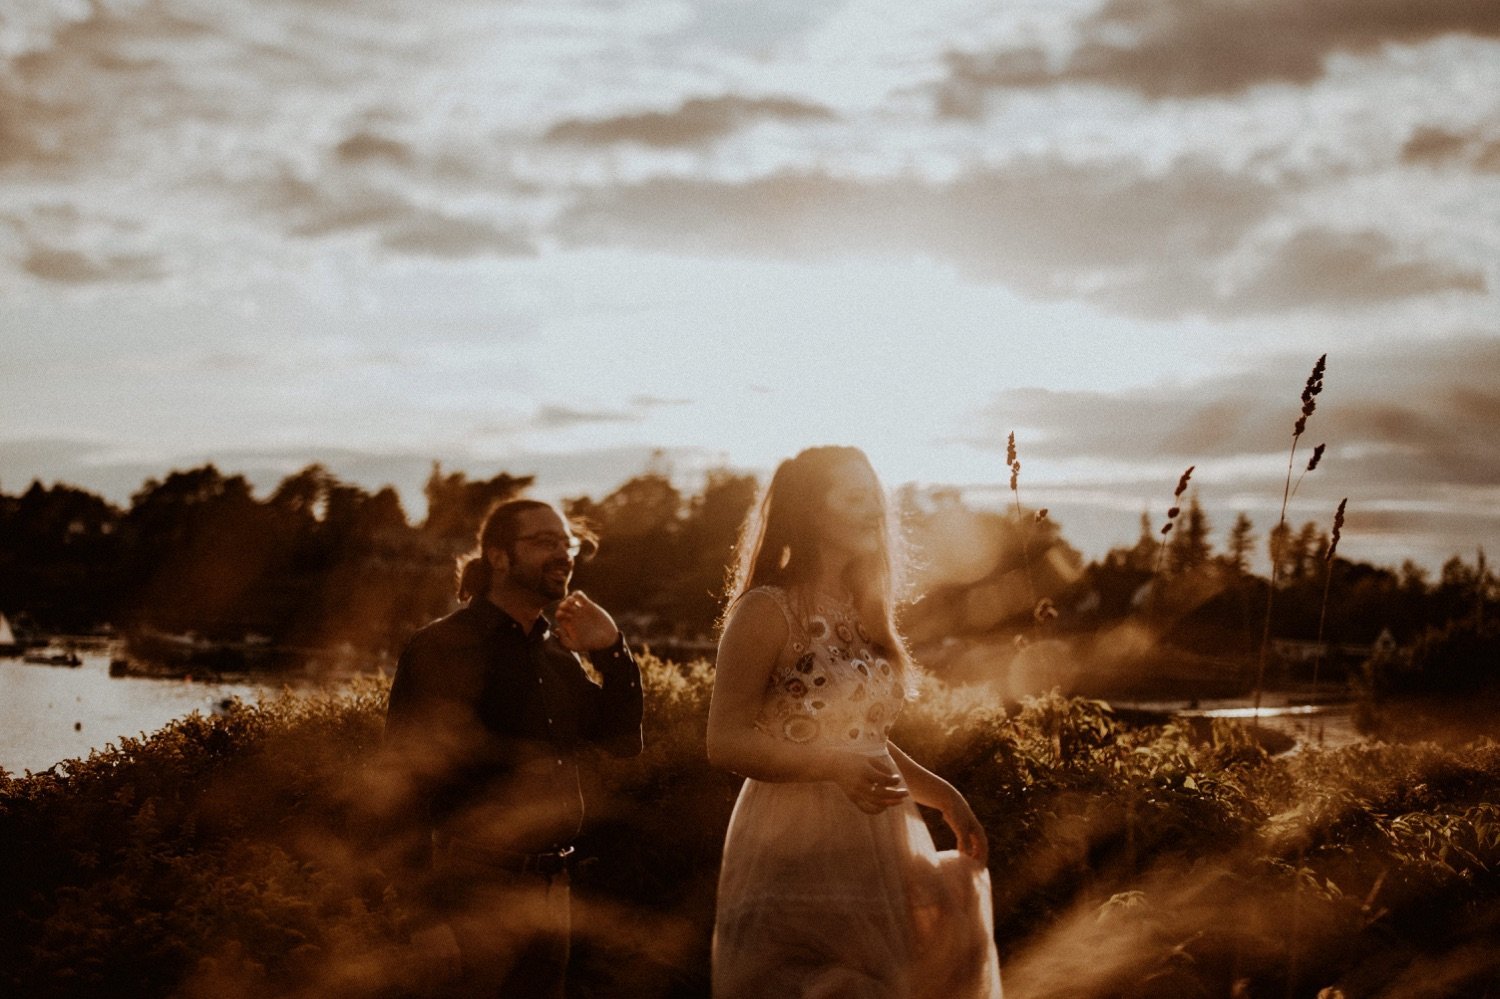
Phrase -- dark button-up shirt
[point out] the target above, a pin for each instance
(489, 718)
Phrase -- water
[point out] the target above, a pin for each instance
(52, 713)
(1322, 724)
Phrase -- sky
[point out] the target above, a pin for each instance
(556, 238)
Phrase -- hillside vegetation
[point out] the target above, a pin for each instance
(241, 856)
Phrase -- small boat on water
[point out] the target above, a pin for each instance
(8, 644)
(64, 658)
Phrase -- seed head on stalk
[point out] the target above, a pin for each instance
(1182, 484)
(1338, 526)
(1312, 464)
(1014, 464)
(1172, 514)
(1333, 546)
(1310, 392)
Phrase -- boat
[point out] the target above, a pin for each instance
(8, 644)
(66, 657)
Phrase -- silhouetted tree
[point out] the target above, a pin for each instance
(1240, 544)
(456, 506)
(1189, 547)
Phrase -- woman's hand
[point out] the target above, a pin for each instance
(972, 840)
(872, 782)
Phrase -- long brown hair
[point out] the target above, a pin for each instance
(780, 543)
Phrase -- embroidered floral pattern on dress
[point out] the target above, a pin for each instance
(836, 691)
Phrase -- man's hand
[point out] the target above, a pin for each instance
(584, 626)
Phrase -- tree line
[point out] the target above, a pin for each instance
(319, 562)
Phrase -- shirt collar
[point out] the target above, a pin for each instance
(491, 618)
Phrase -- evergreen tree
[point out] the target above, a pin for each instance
(1240, 544)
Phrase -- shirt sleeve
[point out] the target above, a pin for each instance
(611, 714)
(429, 722)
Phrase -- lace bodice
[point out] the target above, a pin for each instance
(834, 685)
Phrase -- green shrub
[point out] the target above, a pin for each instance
(237, 855)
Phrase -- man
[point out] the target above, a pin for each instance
(489, 711)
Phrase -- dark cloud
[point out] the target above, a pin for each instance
(1147, 243)
(436, 234)
(655, 401)
(1431, 146)
(1322, 267)
(335, 205)
(73, 267)
(363, 147)
(1040, 225)
(72, 101)
(697, 120)
(1410, 418)
(1191, 48)
(1409, 429)
(553, 417)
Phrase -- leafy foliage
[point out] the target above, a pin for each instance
(241, 855)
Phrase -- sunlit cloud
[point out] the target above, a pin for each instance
(73, 267)
(694, 121)
(1179, 48)
(567, 416)
(1431, 408)
(1153, 243)
(496, 231)
(1434, 146)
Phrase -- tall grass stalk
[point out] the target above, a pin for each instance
(1310, 393)
(1166, 529)
(1014, 464)
(1333, 547)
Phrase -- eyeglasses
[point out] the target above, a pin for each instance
(551, 542)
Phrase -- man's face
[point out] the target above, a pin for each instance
(540, 559)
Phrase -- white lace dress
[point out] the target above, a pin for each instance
(819, 899)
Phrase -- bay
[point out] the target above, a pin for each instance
(53, 713)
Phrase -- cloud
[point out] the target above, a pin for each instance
(696, 121)
(365, 146)
(65, 266)
(333, 204)
(1194, 48)
(645, 401)
(1147, 242)
(1431, 146)
(1039, 224)
(1409, 431)
(553, 417)
(436, 234)
(1323, 267)
(1403, 419)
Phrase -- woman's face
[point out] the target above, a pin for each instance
(853, 514)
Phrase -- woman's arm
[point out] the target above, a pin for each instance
(927, 788)
(753, 638)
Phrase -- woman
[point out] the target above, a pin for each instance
(831, 885)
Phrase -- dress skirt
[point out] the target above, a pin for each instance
(819, 900)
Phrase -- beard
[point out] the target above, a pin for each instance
(548, 580)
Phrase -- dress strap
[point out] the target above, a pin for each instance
(776, 593)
